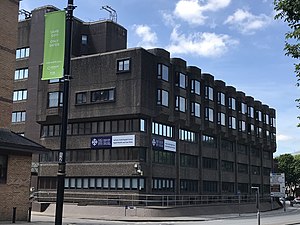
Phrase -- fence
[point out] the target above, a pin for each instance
(95, 198)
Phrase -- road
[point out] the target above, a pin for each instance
(278, 217)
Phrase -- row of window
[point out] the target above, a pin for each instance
(97, 127)
(18, 117)
(104, 95)
(21, 74)
(20, 95)
(105, 183)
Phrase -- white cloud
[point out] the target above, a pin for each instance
(282, 137)
(193, 11)
(149, 38)
(246, 22)
(201, 44)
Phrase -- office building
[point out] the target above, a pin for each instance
(140, 122)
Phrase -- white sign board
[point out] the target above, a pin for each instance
(123, 141)
(169, 145)
(277, 183)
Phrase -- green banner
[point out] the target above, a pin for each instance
(54, 45)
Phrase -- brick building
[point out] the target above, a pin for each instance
(15, 150)
(140, 122)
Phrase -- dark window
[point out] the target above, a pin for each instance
(242, 149)
(227, 166)
(227, 187)
(210, 186)
(188, 161)
(242, 168)
(209, 141)
(163, 157)
(163, 184)
(81, 97)
(227, 145)
(123, 65)
(163, 72)
(55, 99)
(189, 185)
(209, 163)
(3, 169)
(195, 87)
(255, 170)
(103, 95)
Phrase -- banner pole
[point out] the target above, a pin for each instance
(62, 153)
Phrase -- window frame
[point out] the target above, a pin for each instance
(123, 66)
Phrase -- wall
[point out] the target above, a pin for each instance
(15, 193)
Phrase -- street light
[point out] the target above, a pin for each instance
(257, 204)
(62, 153)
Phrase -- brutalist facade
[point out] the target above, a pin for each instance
(140, 121)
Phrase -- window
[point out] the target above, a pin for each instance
(273, 122)
(209, 93)
(243, 108)
(22, 53)
(232, 122)
(242, 149)
(162, 97)
(186, 135)
(163, 184)
(209, 141)
(259, 115)
(81, 97)
(162, 129)
(123, 65)
(266, 155)
(189, 185)
(195, 109)
(55, 99)
(243, 187)
(210, 186)
(221, 98)
(221, 118)
(142, 125)
(18, 116)
(210, 163)
(180, 104)
(188, 161)
(3, 169)
(209, 114)
(227, 166)
(103, 95)
(255, 152)
(251, 129)
(242, 168)
(21, 74)
(266, 119)
(259, 132)
(227, 145)
(163, 157)
(227, 187)
(163, 72)
(255, 170)
(181, 80)
(242, 126)
(231, 103)
(84, 39)
(195, 87)
(266, 171)
(20, 95)
(251, 112)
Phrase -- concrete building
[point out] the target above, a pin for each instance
(140, 122)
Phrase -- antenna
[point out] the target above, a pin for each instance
(112, 13)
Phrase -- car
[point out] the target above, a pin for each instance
(296, 200)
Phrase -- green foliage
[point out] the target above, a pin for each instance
(289, 12)
(289, 165)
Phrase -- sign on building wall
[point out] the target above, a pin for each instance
(113, 141)
(277, 183)
(54, 45)
(164, 144)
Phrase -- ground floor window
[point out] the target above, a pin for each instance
(210, 186)
(102, 183)
(163, 184)
(189, 185)
(3, 169)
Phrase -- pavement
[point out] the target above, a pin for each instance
(42, 218)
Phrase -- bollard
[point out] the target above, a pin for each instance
(14, 215)
(29, 215)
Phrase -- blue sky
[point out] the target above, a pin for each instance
(237, 41)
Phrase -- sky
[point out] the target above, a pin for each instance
(236, 41)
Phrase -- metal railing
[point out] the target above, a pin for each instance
(96, 198)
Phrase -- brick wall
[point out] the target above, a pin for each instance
(8, 42)
(15, 193)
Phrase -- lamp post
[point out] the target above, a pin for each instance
(257, 204)
(62, 153)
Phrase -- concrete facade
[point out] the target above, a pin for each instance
(141, 122)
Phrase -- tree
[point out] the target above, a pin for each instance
(286, 164)
(289, 12)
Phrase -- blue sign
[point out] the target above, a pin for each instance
(101, 142)
(158, 144)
